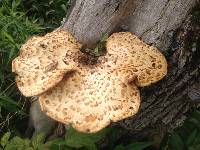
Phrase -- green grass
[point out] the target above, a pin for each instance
(15, 28)
(72, 141)
(17, 24)
(48, 12)
(19, 20)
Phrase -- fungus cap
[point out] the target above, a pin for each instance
(134, 59)
(43, 61)
(90, 99)
(93, 96)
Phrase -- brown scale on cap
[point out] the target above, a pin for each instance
(90, 99)
(93, 96)
(43, 61)
(134, 59)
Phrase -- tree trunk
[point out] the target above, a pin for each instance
(170, 25)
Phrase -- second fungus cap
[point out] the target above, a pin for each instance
(43, 61)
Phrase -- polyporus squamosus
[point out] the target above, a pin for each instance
(92, 96)
(42, 61)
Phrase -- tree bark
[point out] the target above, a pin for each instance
(90, 19)
(170, 25)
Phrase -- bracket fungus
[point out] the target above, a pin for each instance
(92, 96)
(42, 61)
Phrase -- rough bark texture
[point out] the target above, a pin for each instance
(90, 19)
(168, 25)
(155, 20)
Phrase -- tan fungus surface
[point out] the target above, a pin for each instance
(93, 96)
(91, 100)
(43, 61)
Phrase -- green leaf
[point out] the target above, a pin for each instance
(195, 122)
(191, 148)
(119, 147)
(104, 37)
(50, 2)
(196, 115)
(134, 146)
(57, 144)
(77, 139)
(63, 6)
(27, 142)
(78, 143)
(49, 12)
(197, 147)
(138, 145)
(61, 147)
(196, 141)
(0, 112)
(29, 148)
(55, 141)
(15, 143)
(113, 137)
(5, 138)
(96, 51)
(8, 36)
(191, 138)
(38, 140)
(9, 104)
(15, 4)
(176, 142)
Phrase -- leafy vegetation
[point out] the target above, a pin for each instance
(186, 137)
(20, 19)
(17, 24)
(73, 140)
(15, 28)
(49, 13)
(100, 47)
